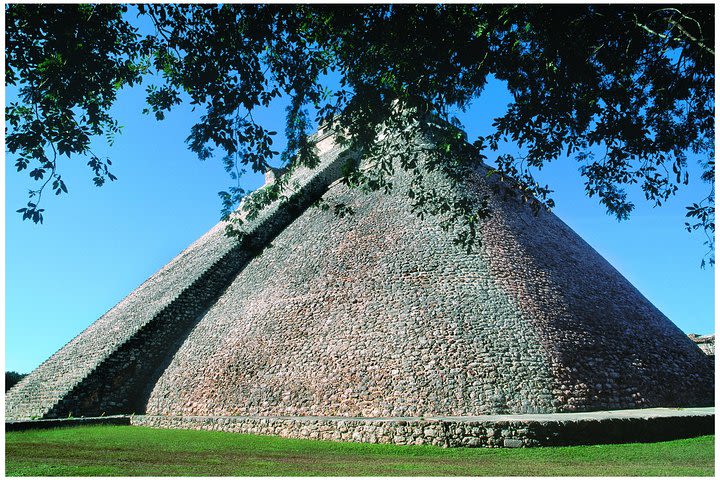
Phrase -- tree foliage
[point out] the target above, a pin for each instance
(634, 82)
(12, 378)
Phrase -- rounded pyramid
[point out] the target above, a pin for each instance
(379, 314)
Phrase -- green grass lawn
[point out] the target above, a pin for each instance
(130, 451)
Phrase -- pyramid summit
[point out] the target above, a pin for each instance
(377, 314)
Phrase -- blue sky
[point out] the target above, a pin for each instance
(98, 244)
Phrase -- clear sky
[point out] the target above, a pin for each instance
(98, 244)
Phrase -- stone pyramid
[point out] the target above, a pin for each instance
(376, 314)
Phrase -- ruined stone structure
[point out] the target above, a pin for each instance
(706, 343)
(373, 315)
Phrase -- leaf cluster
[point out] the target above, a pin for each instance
(625, 90)
(68, 63)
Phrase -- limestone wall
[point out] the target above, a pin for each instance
(500, 431)
(606, 345)
(378, 314)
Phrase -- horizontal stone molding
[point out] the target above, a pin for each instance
(532, 430)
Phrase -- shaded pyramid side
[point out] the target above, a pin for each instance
(51, 383)
(379, 314)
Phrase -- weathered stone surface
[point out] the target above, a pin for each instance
(705, 342)
(513, 431)
(377, 314)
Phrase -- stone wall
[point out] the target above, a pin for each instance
(379, 314)
(497, 431)
(606, 345)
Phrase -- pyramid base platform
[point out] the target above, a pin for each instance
(531, 430)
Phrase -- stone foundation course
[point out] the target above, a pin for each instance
(512, 431)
